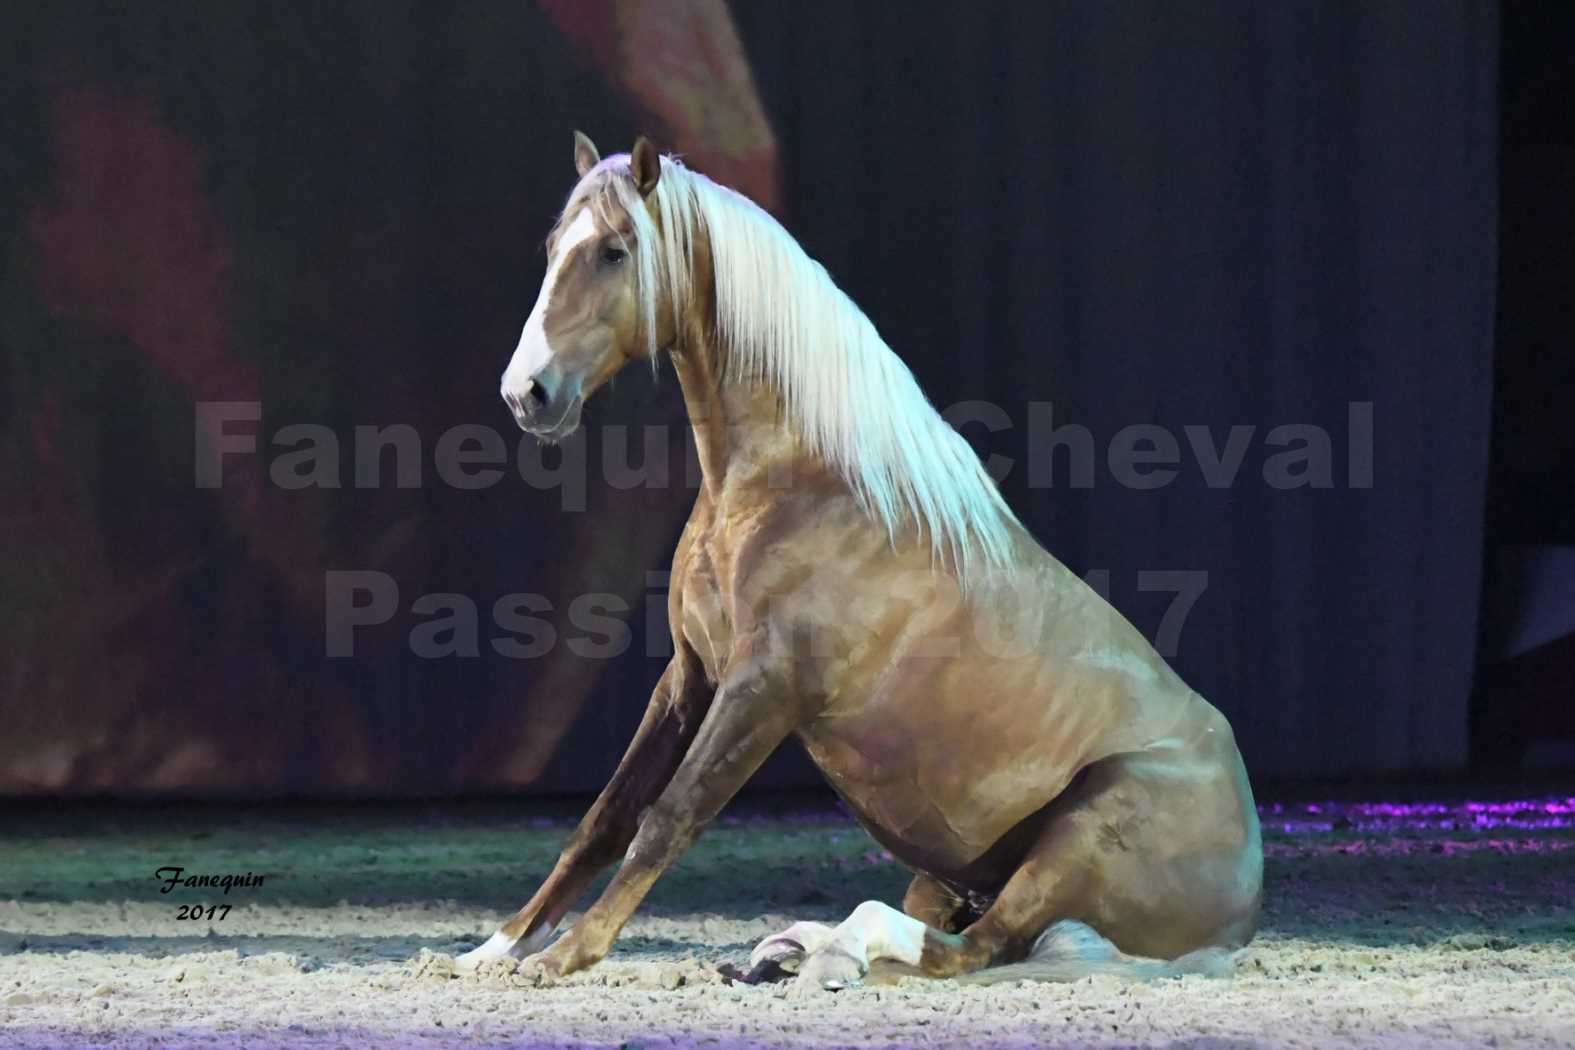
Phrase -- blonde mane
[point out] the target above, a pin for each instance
(784, 322)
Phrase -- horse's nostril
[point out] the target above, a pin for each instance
(535, 397)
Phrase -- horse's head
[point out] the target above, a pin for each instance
(588, 321)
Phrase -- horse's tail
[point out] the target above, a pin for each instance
(1070, 950)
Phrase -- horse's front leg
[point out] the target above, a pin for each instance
(750, 716)
(671, 720)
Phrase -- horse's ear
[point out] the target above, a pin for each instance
(585, 155)
(646, 165)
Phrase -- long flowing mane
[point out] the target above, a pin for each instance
(784, 322)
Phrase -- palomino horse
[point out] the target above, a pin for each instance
(851, 575)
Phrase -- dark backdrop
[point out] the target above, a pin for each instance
(1524, 704)
(1189, 216)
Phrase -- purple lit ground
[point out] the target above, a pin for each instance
(1442, 923)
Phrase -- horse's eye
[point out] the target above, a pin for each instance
(613, 256)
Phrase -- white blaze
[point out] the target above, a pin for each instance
(533, 352)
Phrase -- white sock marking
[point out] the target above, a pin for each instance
(499, 946)
(809, 936)
(879, 931)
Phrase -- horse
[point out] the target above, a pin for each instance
(851, 575)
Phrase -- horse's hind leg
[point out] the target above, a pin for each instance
(1159, 853)
(1035, 895)
(927, 901)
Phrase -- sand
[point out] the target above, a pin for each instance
(1450, 924)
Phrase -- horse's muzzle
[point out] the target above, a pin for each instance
(555, 431)
(545, 406)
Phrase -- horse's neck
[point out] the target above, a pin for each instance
(737, 427)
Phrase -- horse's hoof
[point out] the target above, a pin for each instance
(502, 946)
(477, 957)
(777, 951)
(533, 971)
(832, 969)
(767, 971)
(788, 948)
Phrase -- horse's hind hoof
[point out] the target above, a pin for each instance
(766, 971)
(788, 948)
(832, 969)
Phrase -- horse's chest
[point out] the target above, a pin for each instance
(705, 625)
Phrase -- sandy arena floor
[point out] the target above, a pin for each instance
(1448, 924)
